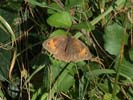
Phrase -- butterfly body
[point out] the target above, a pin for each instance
(67, 48)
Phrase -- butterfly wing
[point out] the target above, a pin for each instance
(62, 48)
(67, 49)
(56, 46)
(77, 50)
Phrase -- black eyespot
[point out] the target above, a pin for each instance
(86, 53)
(48, 43)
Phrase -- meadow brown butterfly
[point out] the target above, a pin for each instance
(67, 48)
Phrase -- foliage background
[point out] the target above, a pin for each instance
(28, 72)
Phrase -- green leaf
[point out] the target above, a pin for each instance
(64, 85)
(36, 3)
(65, 80)
(114, 36)
(5, 57)
(126, 69)
(78, 34)
(104, 86)
(52, 8)
(58, 33)
(62, 76)
(98, 72)
(108, 96)
(36, 94)
(44, 96)
(60, 19)
(120, 4)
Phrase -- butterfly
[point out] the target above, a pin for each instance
(67, 48)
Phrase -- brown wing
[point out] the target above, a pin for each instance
(62, 54)
(57, 46)
(54, 44)
(77, 50)
(67, 49)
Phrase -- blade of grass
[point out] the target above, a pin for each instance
(35, 72)
(114, 6)
(7, 28)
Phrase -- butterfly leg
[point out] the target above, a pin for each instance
(98, 60)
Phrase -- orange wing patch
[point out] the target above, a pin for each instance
(82, 52)
(52, 44)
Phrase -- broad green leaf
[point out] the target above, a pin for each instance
(65, 82)
(65, 79)
(60, 77)
(58, 33)
(62, 32)
(114, 36)
(60, 19)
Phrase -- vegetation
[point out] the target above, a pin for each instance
(29, 72)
